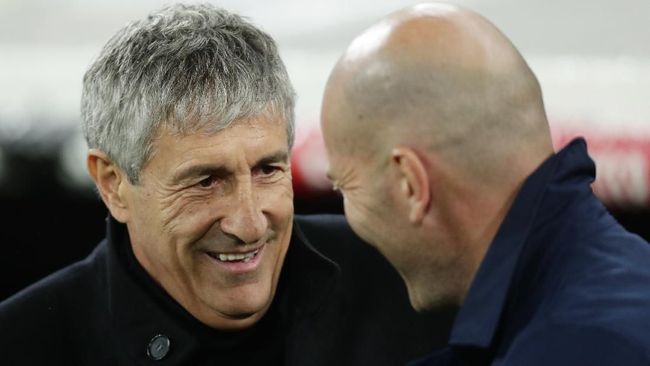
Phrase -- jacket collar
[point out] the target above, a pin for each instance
(140, 309)
(478, 319)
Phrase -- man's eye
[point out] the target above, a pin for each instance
(207, 182)
(269, 169)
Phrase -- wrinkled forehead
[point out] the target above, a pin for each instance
(202, 118)
(259, 131)
(207, 126)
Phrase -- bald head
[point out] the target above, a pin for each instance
(432, 120)
(439, 78)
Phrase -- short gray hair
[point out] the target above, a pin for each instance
(190, 67)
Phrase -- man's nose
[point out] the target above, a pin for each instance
(245, 218)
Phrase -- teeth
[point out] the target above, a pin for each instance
(237, 257)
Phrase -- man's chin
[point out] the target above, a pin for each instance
(232, 320)
(429, 301)
(242, 310)
(237, 322)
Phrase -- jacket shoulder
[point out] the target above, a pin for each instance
(62, 283)
(47, 309)
(572, 344)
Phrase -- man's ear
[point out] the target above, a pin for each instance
(109, 180)
(414, 182)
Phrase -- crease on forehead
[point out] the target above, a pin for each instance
(256, 123)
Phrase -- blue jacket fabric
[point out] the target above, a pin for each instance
(561, 284)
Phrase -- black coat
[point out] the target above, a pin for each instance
(341, 304)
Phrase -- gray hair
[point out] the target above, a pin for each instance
(188, 67)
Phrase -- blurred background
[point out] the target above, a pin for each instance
(592, 59)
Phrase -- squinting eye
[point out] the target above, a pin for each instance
(269, 169)
(207, 182)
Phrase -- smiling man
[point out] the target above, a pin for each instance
(188, 116)
(210, 217)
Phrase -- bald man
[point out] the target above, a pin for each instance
(438, 140)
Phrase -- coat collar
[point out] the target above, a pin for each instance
(139, 309)
(478, 319)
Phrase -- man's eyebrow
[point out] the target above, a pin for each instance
(200, 171)
(220, 170)
(276, 157)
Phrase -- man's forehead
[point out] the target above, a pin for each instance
(248, 140)
(248, 128)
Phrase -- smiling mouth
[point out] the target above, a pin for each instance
(234, 257)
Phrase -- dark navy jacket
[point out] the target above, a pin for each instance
(561, 284)
(338, 303)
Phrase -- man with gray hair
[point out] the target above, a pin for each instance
(457, 184)
(189, 121)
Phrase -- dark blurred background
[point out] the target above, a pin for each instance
(592, 59)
